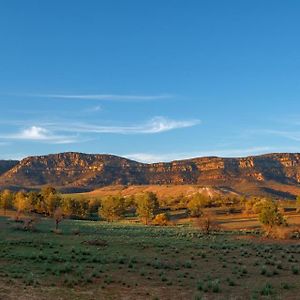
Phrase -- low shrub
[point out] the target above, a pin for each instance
(161, 219)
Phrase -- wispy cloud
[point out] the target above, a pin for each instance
(292, 135)
(68, 132)
(13, 156)
(94, 108)
(104, 97)
(152, 157)
(36, 133)
(155, 125)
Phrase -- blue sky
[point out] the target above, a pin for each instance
(149, 80)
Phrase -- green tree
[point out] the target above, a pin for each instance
(147, 205)
(75, 207)
(69, 206)
(197, 203)
(35, 201)
(94, 204)
(6, 200)
(270, 215)
(112, 208)
(51, 203)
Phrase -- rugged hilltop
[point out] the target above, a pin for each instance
(277, 173)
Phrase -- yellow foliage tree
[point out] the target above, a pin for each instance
(6, 200)
(21, 203)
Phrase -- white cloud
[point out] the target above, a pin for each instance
(36, 133)
(155, 125)
(151, 158)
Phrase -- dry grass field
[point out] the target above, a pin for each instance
(168, 191)
(122, 260)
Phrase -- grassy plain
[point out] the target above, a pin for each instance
(98, 260)
(270, 188)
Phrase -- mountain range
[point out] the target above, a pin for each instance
(276, 174)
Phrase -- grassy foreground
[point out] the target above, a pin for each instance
(94, 260)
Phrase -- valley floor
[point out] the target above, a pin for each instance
(97, 260)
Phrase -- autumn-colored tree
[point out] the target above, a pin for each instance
(6, 200)
(161, 219)
(254, 205)
(21, 203)
(47, 191)
(197, 203)
(129, 201)
(147, 204)
(112, 208)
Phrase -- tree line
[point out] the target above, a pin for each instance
(49, 202)
(146, 206)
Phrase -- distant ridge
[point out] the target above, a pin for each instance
(276, 173)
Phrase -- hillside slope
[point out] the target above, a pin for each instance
(6, 165)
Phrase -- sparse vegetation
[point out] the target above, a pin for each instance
(80, 254)
(147, 205)
(270, 216)
(206, 223)
(197, 203)
(104, 258)
(112, 208)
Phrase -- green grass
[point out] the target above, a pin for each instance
(109, 261)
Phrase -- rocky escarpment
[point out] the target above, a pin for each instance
(70, 168)
(89, 171)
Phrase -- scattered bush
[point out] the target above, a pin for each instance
(207, 223)
(161, 219)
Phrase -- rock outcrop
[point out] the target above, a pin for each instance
(89, 171)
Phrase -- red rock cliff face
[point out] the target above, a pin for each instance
(91, 171)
